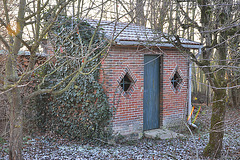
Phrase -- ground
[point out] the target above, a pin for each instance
(45, 147)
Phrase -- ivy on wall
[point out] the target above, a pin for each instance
(83, 110)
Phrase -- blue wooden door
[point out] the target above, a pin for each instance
(151, 92)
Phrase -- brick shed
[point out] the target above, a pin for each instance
(145, 77)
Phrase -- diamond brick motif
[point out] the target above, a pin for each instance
(176, 79)
(127, 82)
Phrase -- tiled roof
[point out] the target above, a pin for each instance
(134, 33)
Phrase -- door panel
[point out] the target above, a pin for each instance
(151, 92)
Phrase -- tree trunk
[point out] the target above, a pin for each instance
(15, 111)
(194, 79)
(233, 74)
(213, 149)
(214, 146)
(140, 18)
(236, 96)
(14, 95)
(16, 122)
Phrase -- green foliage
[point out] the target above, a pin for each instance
(83, 110)
(2, 140)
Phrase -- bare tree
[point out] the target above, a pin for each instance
(13, 80)
(34, 20)
(218, 26)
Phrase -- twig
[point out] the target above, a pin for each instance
(193, 139)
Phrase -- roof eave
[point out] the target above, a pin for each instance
(169, 45)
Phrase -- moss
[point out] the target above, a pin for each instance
(207, 150)
(214, 146)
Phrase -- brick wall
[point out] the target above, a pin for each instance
(129, 107)
(174, 101)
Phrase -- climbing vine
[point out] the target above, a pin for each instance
(83, 110)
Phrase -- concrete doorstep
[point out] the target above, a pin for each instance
(161, 134)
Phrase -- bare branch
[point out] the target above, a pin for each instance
(192, 22)
(5, 43)
(7, 17)
(35, 13)
(37, 42)
(15, 34)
